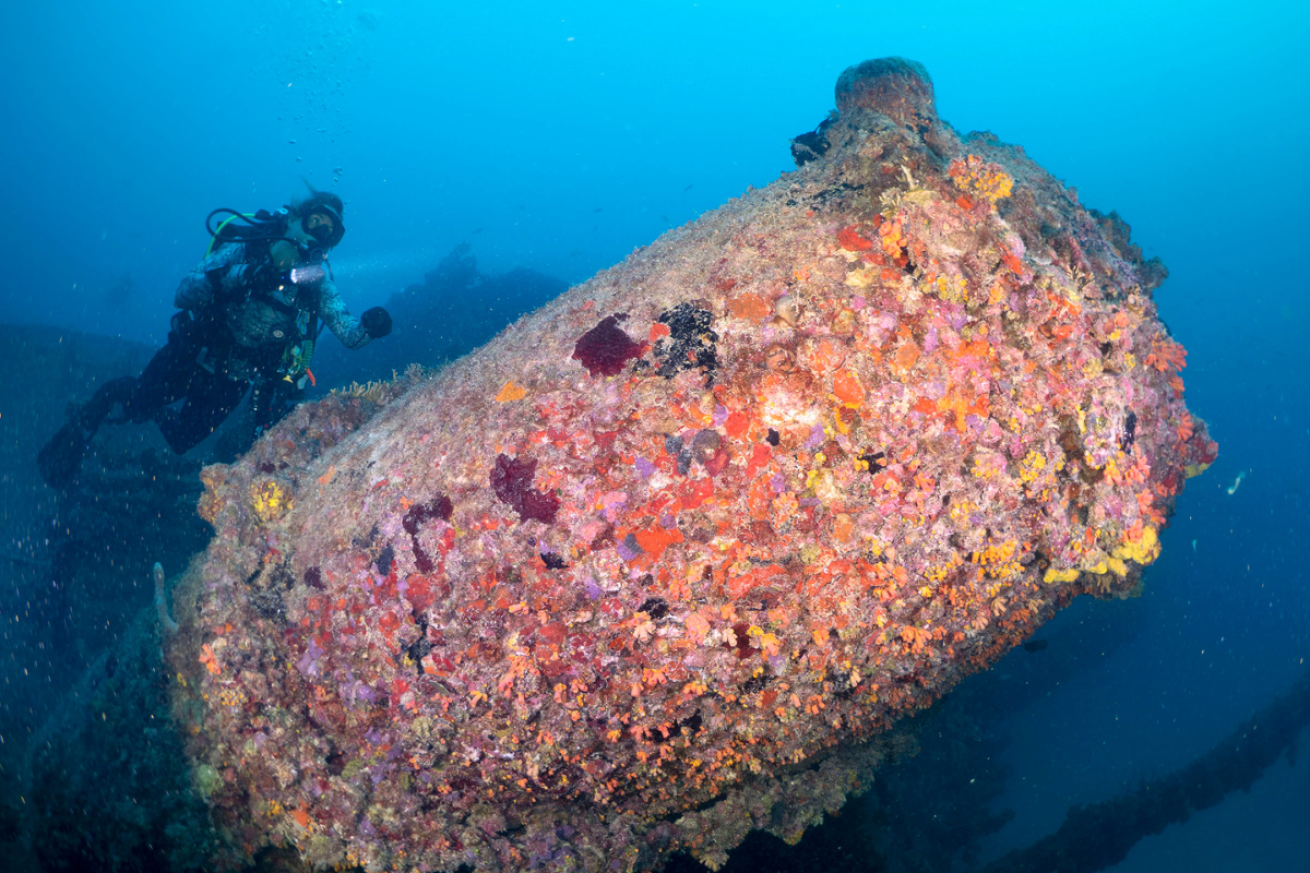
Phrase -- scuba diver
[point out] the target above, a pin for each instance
(250, 315)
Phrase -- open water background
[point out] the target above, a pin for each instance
(560, 136)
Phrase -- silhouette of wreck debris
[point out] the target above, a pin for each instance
(1100, 835)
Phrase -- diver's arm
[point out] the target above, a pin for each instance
(195, 290)
(220, 274)
(338, 319)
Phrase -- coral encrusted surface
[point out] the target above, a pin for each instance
(665, 560)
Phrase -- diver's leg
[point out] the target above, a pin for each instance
(94, 412)
(164, 380)
(209, 400)
(60, 459)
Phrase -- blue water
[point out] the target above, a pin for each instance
(561, 136)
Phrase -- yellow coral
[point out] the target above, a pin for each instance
(231, 697)
(1053, 575)
(1032, 465)
(954, 289)
(1144, 551)
(997, 560)
(270, 499)
(938, 574)
(986, 465)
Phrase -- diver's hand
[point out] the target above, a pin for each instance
(377, 322)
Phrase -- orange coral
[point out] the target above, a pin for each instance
(846, 386)
(1166, 354)
(210, 660)
(510, 392)
(850, 239)
(750, 307)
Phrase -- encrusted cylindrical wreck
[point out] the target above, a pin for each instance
(621, 581)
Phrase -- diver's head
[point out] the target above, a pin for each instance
(318, 221)
(313, 228)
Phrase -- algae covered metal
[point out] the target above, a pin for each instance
(665, 560)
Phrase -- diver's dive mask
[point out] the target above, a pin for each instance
(325, 230)
(324, 225)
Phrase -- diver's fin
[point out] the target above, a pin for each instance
(61, 459)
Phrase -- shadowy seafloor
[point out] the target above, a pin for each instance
(83, 739)
(77, 563)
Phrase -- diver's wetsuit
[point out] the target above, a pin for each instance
(260, 316)
(237, 322)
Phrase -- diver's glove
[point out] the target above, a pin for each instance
(376, 321)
